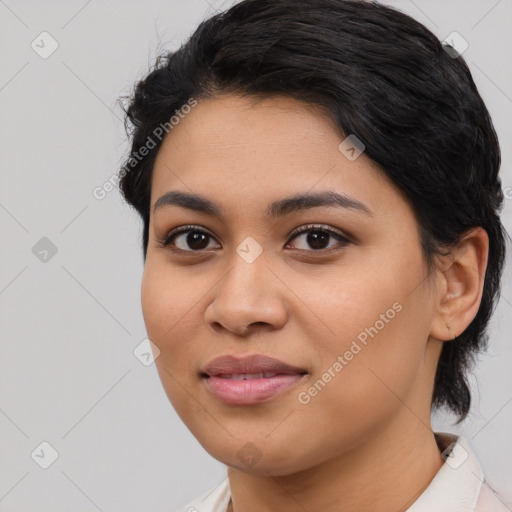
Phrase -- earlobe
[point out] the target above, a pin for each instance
(461, 285)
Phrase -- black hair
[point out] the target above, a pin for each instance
(383, 77)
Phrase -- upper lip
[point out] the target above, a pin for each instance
(229, 365)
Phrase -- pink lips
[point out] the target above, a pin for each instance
(251, 379)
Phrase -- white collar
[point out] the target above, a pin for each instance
(456, 486)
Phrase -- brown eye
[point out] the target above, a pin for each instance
(317, 238)
(187, 238)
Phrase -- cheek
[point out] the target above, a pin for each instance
(156, 304)
(166, 301)
(377, 334)
(167, 309)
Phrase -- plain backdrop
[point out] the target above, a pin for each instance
(71, 265)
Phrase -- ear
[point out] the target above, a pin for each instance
(460, 285)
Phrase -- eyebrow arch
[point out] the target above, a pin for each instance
(276, 209)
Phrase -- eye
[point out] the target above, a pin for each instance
(318, 237)
(187, 236)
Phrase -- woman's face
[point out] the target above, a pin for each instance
(353, 313)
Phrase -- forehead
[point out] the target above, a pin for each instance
(251, 152)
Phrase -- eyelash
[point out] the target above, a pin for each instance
(165, 242)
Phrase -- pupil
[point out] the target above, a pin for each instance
(317, 239)
(194, 240)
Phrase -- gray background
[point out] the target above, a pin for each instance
(68, 375)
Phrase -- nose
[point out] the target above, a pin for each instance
(249, 298)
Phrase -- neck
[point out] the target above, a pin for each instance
(385, 473)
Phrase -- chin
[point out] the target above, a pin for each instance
(257, 458)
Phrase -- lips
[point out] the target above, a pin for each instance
(250, 380)
(249, 367)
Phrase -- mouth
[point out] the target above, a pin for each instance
(249, 380)
(246, 376)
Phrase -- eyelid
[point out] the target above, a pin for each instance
(319, 227)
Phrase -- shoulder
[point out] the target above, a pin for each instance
(215, 499)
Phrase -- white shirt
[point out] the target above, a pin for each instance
(457, 487)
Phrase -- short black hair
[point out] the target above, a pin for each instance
(383, 77)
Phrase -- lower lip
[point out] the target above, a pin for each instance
(250, 391)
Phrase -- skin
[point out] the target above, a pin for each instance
(364, 442)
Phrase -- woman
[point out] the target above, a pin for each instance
(318, 182)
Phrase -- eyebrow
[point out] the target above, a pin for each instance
(276, 209)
